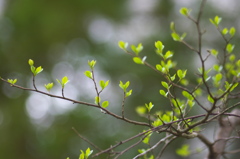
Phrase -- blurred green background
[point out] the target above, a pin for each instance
(61, 36)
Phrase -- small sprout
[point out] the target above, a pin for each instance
(97, 100)
(163, 93)
(177, 37)
(232, 31)
(11, 81)
(63, 82)
(164, 84)
(48, 86)
(210, 99)
(187, 95)
(172, 26)
(141, 110)
(230, 48)
(30, 62)
(232, 58)
(124, 86)
(214, 52)
(88, 74)
(138, 60)
(103, 84)
(159, 46)
(137, 49)
(105, 104)
(128, 93)
(149, 106)
(181, 74)
(225, 31)
(185, 11)
(216, 20)
(183, 151)
(168, 54)
(91, 64)
(123, 45)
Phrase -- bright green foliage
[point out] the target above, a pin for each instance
(217, 79)
(181, 74)
(164, 84)
(210, 99)
(103, 84)
(88, 74)
(30, 62)
(147, 138)
(163, 93)
(12, 81)
(91, 64)
(159, 46)
(225, 31)
(86, 154)
(128, 93)
(141, 110)
(217, 68)
(230, 86)
(105, 104)
(216, 21)
(172, 26)
(138, 60)
(230, 48)
(149, 106)
(124, 86)
(48, 86)
(185, 11)
(187, 95)
(97, 100)
(232, 31)
(137, 49)
(183, 151)
(214, 52)
(63, 82)
(232, 58)
(123, 45)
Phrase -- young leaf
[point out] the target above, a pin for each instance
(88, 74)
(181, 74)
(224, 31)
(105, 104)
(141, 110)
(184, 11)
(12, 81)
(37, 70)
(214, 52)
(176, 37)
(91, 64)
(164, 84)
(30, 62)
(123, 45)
(183, 151)
(124, 86)
(210, 99)
(48, 86)
(163, 93)
(128, 93)
(159, 46)
(216, 20)
(168, 54)
(138, 60)
(172, 26)
(232, 31)
(103, 84)
(88, 152)
(149, 106)
(230, 48)
(63, 82)
(187, 95)
(97, 100)
(137, 49)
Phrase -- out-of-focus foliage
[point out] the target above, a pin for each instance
(66, 34)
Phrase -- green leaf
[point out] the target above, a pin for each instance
(123, 45)
(230, 48)
(30, 62)
(176, 37)
(216, 21)
(217, 68)
(159, 46)
(163, 93)
(183, 151)
(11, 81)
(168, 54)
(157, 123)
(164, 84)
(82, 155)
(97, 100)
(181, 74)
(88, 74)
(124, 86)
(141, 110)
(225, 31)
(187, 95)
(172, 26)
(48, 86)
(103, 84)
(137, 49)
(128, 93)
(210, 99)
(138, 60)
(88, 153)
(91, 64)
(63, 82)
(185, 11)
(37, 70)
(232, 31)
(105, 104)
(149, 106)
(214, 52)
(232, 58)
